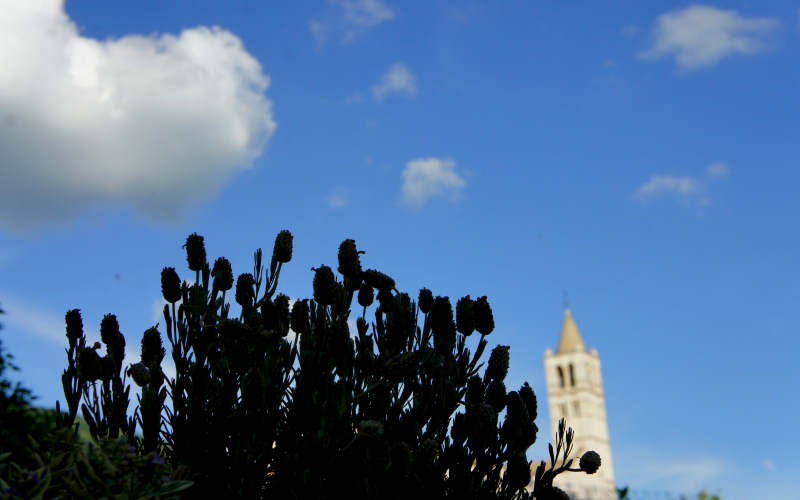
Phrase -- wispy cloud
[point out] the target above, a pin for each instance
(717, 169)
(701, 35)
(426, 178)
(25, 317)
(339, 199)
(768, 465)
(398, 79)
(682, 474)
(665, 184)
(688, 189)
(347, 19)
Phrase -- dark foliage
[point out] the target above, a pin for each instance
(325, 413)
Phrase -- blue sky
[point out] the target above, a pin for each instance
(640, 156)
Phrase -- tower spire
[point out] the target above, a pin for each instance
(570, 340)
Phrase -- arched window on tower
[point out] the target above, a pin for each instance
(571, 375)
(560, 376)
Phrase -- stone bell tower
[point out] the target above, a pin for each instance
(575, 393)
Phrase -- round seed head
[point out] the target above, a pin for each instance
(590, 462)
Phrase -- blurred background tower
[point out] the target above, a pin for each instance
(575, 393)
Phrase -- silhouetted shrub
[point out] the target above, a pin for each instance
(396, 409)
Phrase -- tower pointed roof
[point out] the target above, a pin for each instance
(570, 340)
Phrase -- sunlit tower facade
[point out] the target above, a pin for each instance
(575, 393)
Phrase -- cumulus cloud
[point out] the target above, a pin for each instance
(347, 19)
(717, 169)
(156, 122)
(397, 80)
(425, 178)
(701, 35)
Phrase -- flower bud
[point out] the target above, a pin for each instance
(497, 369)
(89, 365)
(139, 374)
(282, 309)
(244, 290)
(442, 324)
(496, 395)
(474, 391)
(518, 471)
(152, 347)
(107, 368)
(74, 325)
(300, 317)
(590, 462)
(529, 399)
(324, 285)
(349, 263)
(282, 251)
(365, 295)
(482, 428)
(112, 338)
(484, 320)
(465, 323)
(222, 274)
(170, 285)
(269, 314)
(377, 279)
(195, 252)
(425, 300)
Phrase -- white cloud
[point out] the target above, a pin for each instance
(717, 169)
(22, 316)
(425, 178)
(682, 474)
(665, 184)
(319, 31)
(348, 19)
(701, 35)
(339, 199)
(397, 80)
(157, 122)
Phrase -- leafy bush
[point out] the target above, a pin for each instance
(19, 419)
(254, 412)
(68, 467)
